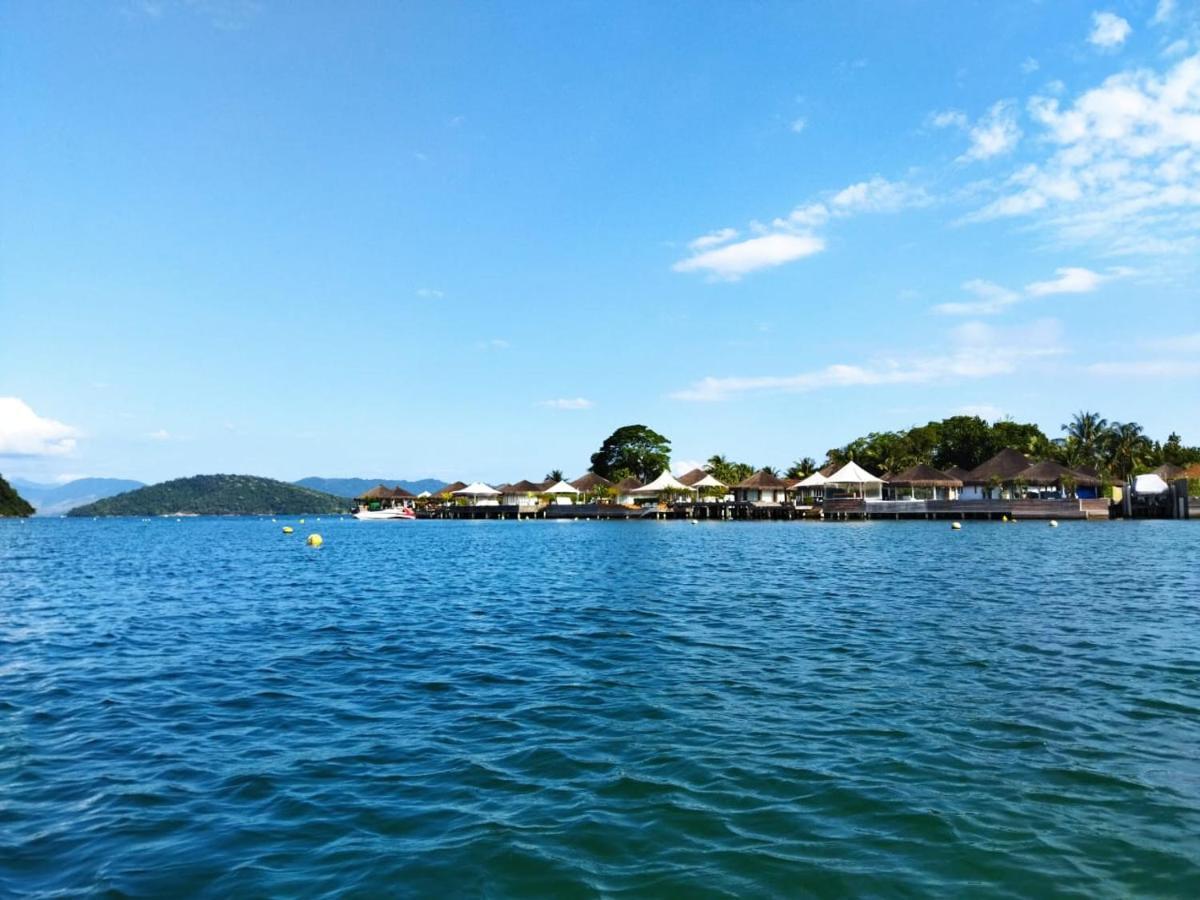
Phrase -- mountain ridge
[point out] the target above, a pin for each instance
(356, 487)
(217, 495)
(57, 499)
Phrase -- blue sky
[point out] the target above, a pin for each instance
(469, 240)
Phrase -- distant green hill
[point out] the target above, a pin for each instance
(11, 503)
(216, 495)
(356, 487)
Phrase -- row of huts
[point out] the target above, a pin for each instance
(1006, 476)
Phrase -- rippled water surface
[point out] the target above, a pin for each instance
(599, 708)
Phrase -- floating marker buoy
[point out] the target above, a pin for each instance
(301, 521)
(314, 540)
(956, 526)
(695, 521)
(287, 529)
(1054, 523)
(1012, 521)
(1004, 518)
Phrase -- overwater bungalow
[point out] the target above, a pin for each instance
(1049, 479)
(562, 494)
(761, 487)
(523, 494)
(625, 489)
(852, 480)
(665, 484)
(957, 472)
(383, 497)
(707, 486)
(922, 482)
(591, 486)
(996, 475)
(809, 489)
(479, 494)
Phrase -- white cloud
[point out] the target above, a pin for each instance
(798, 125)
(949, 118)
(1183, 343)
(991, 299)
(493, 344)
(1108, 30)
(1030, 65)
(1149, 368)
(735, 260)
(161, 435)
(1163, 12)
(791, 237)
(1124, 167)
(430, 293)
(713, 239)
(568, 403)
(1069, 280)
(24, 433)
(976, 351)
(683, 466)
(994, 133)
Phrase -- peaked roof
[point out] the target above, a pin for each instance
(957, 472)
(816, 479)
(829, 469)
(852, 473)
(589, 481)
(379, 492)
(922, 475)
(664, 482)
(708, 481)
(477, 489)
(561, 487)
(627, 485)
(523, 487)
(690, 478)
(763, 479)
(1005, 465)
(1050, 472)
(1169, 472)
(401, 494)
(452, 487)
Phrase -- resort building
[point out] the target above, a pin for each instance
(479, 494)
(761, 487)
(995, 478)
(562, 494)
(1049, 479)
(665, 484)
(383, 497)
(809, 489)
(853, 481)
(708, 488)
(523, 494)
(625, 489)
(592, 486)
(922, 482)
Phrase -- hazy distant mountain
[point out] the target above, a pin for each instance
(217, 495)
(356, 487)
(56, 499)
(11, 503)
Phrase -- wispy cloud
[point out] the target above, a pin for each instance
(1030, 65)
(976, 351)
(991, 298)
(798, 125)
(568, 403)
(791, 237)
(492, 344)
(1124, 167)
(1163, 12)
(1108, 30)
(994, 134)
(430, 293)
(161, 435)
(24, 433)
(1148, 368)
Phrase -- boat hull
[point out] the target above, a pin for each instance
(403, 514)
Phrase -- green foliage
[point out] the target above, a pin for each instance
(727, 472)
(802, 468)
(635, 450)
(11, 503)
(554, 475)
(217, 495)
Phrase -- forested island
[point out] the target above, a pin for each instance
(217, 495)
(11, 503)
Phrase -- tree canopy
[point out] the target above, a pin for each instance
(12, 503)
(632, 450)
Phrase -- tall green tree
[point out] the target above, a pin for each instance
(1126, 448)
(1089, 431)
(965, 441)
(634, 449)
(555, 475)
(726, 471)
(802, 468)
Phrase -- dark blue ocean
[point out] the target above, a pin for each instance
(562, 709)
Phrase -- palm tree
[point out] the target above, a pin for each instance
(1125, 448)
(770, 470)
(555, 475)
(1088, 430)
(802, 468)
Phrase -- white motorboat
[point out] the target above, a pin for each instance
(395, 512)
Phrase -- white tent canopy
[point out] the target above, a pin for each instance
(477, 489)
(664, 482)
(561, 487)
(423, 495)
(816, 479)
(1149, 484)
(852, 473)
(709, 482)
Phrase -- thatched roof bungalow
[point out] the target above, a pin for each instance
(922, 482)
(589, 484)
(625, 490)
(1002, 470)
(761, 487)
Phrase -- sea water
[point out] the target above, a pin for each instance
(208, 706)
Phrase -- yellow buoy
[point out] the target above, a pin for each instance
(314, 540)
(1004, 518)
(287, 529)
(956, 526)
